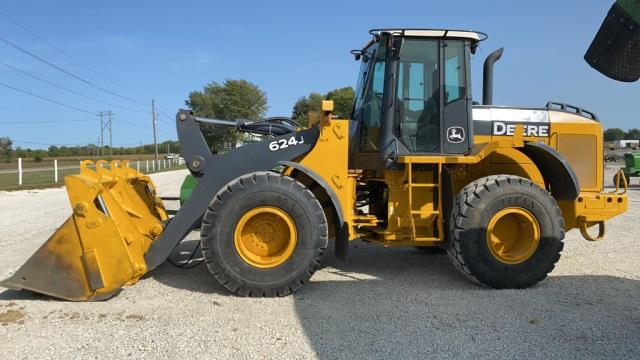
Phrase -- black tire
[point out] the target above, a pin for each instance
(246, 193)
(476, 205)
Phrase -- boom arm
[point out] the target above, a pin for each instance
(204, 165)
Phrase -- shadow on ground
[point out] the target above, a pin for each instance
(401, 303)
(194, 276)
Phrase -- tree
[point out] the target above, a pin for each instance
(342, 101)
(54, 151)
(304, 106)
(633, 134)
(231, 100)
(614, 134)
(342, 104)
(6, 151)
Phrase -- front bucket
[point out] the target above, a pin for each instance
(101, 247)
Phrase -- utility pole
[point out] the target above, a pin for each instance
(100, 139)
(153, 121)
(109, 113)
(105, 124)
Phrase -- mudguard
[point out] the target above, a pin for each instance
(555, 169)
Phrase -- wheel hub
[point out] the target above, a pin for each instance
(513, 235)
(265, 237)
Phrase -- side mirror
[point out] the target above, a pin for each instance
(357, 54)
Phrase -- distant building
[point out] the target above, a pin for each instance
(632, 144)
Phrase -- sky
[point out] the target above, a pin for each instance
(142, 50)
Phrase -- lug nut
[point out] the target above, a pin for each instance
(80, 208)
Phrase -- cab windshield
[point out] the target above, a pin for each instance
(365, 67)
(368, 103)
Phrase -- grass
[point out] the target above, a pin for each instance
(45, 178)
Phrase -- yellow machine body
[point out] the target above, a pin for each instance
(115, 217)
(372, 176)
(415, 215)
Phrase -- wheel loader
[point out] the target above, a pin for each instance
(418, 164)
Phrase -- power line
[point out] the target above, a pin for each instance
(164, 114)
(65, 89)
(65, 71)
(166, 133)
(41, 122)
(68, 121)
(68, 144)
(66, 54)
(130, 123)
(40, 143)
(47, 99)
(171, 125)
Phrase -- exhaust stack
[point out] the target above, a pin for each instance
(487, 76)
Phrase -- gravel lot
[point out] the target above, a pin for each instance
(383, 303)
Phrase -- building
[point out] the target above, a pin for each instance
(627, 144)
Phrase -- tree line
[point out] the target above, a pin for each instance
(8, 153)
(229, 100)
(614, 134)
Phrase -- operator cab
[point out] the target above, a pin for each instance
(413, 96)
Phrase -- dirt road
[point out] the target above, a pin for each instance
(383, 303)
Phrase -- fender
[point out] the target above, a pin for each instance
(555, 169)
(342, 229)
(320, 180)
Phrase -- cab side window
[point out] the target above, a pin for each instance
(454, 72)
(417, 96)
(372, 104)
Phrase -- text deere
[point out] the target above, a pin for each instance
(508, 129)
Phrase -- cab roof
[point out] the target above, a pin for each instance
(433, 33)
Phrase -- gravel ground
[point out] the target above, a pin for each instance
(383, 303)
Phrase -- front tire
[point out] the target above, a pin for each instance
(506, 232)
(264, 235)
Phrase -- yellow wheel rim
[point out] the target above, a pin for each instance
(513, 235)
(265, 237)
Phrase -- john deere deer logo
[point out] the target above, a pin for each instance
(455, 134)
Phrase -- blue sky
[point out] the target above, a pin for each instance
(164, 50)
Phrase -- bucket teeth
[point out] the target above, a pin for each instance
(101, 246)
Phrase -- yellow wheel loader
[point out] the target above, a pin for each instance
(418, 164)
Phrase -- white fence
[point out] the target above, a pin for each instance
(50, 175)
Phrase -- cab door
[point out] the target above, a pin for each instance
(457, 127)
(433, 106)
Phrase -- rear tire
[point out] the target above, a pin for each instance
(232, 262)
(505, 232)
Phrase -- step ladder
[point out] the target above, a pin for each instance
(437, 196)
